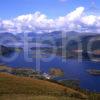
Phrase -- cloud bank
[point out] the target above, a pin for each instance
(76, 20)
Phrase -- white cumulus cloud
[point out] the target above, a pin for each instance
(76, 20)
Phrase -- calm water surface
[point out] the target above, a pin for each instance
(72, 68)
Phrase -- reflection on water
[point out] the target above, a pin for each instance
(71, 67)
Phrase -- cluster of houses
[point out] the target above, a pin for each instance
(23, 72)
(29, 72)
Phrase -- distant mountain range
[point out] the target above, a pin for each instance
(9, 39)
(56, 38)
(19, 37)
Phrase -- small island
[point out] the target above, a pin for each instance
(94, 72)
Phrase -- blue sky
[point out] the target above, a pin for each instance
(52, 8)
(18, 16)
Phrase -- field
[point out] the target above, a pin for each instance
(30, 97)
(21, 88)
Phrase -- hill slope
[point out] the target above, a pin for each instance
(10, 84)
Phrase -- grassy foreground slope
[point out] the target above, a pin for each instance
(30, 97)
(19, 87)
